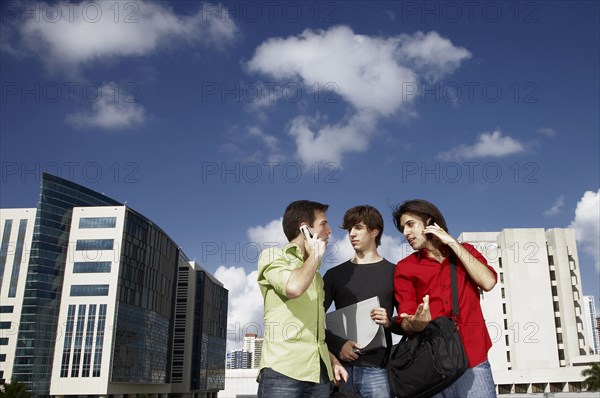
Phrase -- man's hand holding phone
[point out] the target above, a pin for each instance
(313, 244)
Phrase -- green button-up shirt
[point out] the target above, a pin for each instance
(294, 340)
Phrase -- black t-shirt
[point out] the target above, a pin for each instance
(349, 283)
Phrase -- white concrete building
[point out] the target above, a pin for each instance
(253, 344)
(16, 231)
(240, 383)
(535, 312)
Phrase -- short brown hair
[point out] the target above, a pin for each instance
(298, 212)
(369, 215)
(423, 209)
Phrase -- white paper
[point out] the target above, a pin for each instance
(354, 323)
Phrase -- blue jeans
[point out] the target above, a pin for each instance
(272, 384)
(368, 382)
(476, 382)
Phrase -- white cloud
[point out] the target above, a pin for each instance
(547, 131)
(492, 144)
(320, 142)
(270, 141)
(556, 207)
(268, 235)
(112, 109)
(587, 225)
(67, 35)
(371, 73)
(245, 313)
(430, 54)
(394, 249)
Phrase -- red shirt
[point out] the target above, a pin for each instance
(418, 275)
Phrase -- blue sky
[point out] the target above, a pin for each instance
(209, 118)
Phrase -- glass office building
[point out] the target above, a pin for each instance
(99, 301)
(39, 313)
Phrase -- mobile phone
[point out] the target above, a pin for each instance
(305, 230)
(429, 222)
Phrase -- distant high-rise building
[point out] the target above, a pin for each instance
(589, 312)
(110, 304)
(253, 344)
(240, 359)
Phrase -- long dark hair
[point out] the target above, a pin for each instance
(423, 209)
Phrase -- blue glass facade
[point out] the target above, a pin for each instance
(147, 282)
(41, 302)
(210, 328)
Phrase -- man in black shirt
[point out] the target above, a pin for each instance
(366, 275)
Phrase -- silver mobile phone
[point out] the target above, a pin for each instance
(306, 231)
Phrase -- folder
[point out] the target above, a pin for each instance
(354, 323)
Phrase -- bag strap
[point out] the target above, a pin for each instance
(454, 284)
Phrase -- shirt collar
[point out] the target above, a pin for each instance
(422, 255)
(293, 248)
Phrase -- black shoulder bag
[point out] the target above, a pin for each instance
(424, 364)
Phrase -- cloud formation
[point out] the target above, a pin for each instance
(369, 72)
(66, 36)
(488, 145)
(245, 312)
(112, 109)
(556, 207)
(587, 225)
(547, 131)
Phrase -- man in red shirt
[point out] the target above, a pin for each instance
(423, 290)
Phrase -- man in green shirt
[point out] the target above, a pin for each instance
(295, 361)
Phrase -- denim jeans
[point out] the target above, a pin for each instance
(272, 384)
(476, 382)
(368, 382)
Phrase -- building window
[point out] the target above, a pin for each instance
(3, 340)
(521, 388)
(91, 267)
(2, 357)
(78, 341)
(89, 290)
(4, 247)
(97, 222)
(64, 368)
(94, 244)
(6, 309)
(99, 341)
(5, 325)
(14, 279)
(89, 337)
(550, 260)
